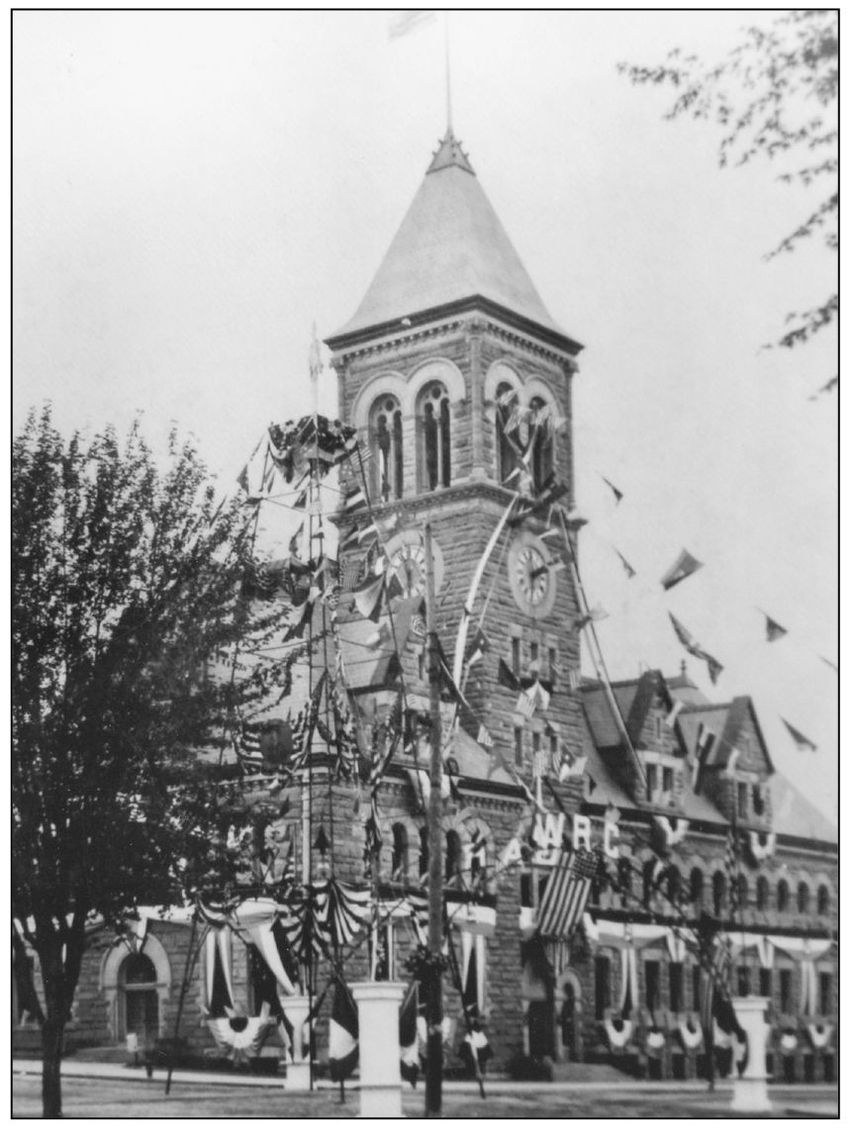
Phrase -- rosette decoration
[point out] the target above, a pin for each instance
(242, 1035)
(788, 1042)
(618, 1036)
(654, 1042)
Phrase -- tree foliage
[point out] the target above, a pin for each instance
(126, 609)
(775, 97)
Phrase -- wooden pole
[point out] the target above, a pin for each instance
(189, 961)
(434, 983)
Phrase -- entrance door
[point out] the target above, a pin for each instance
(541, 1029)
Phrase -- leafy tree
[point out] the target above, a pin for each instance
(775, 96)
(126, 588)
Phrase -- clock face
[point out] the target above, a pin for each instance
(533, 585)
(407, 562)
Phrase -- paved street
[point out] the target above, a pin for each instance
(120, 1095)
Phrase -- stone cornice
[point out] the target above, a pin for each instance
(477, 315)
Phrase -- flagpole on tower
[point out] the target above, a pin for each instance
(448, 73)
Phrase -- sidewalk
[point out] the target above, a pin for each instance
(112, 1071)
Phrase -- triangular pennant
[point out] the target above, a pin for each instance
(685, 565)
(773, 630)
(800, 740)
(630, 571)
(616, 492)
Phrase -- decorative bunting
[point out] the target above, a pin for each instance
(686, 565)
(343, 1045)
(409, 1062)
(689, 644)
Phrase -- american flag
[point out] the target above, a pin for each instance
(484, 738)
(567, 892)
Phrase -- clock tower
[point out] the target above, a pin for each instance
(459, 383)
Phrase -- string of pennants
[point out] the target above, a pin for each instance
(685, 566)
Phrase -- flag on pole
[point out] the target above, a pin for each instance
(478, 646)
(367, 599)
(617, 493)
(526, 704)
(409, 1061)
(675, 711)
(343, 1049)
(596, 613)
(800, 740)
(355, 499)
(573, 678)
(484, 737)
(773, 630)
(685, 566)
(713, 981)
(567, 893)
(404, 22)
(506, 677)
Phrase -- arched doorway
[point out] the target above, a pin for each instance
(568, 1017)
(537, 998)
(138, 997)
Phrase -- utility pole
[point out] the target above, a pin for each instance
(434, 992)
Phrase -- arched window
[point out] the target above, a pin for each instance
(674, 884)
(625, 880)
(823, 900)
(507, 413)
(433, 416)
(138, 1006)
(697, 884)
(718, 892)
(782, 896)
(803, 897)
(452, 866)
(385, 433)
(542, 444)
(742, 893)
(400, 851)
(763, 892)
(424, 851)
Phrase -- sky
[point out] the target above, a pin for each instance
(195, 191)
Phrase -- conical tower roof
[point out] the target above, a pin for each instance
(450, 248)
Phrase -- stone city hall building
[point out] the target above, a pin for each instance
(449, 343)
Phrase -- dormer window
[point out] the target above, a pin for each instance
(433, 416)
(743, 800)
(385, 433)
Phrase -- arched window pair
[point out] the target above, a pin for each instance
(523, 438)
(434, 443)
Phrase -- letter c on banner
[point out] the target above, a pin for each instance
(611, 834)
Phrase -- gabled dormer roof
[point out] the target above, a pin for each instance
(741, 711)
(450, 249)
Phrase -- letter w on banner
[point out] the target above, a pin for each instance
(567, 893)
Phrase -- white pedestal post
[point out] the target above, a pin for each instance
(750, 1092)
(296, 1008)
(380, 1075)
